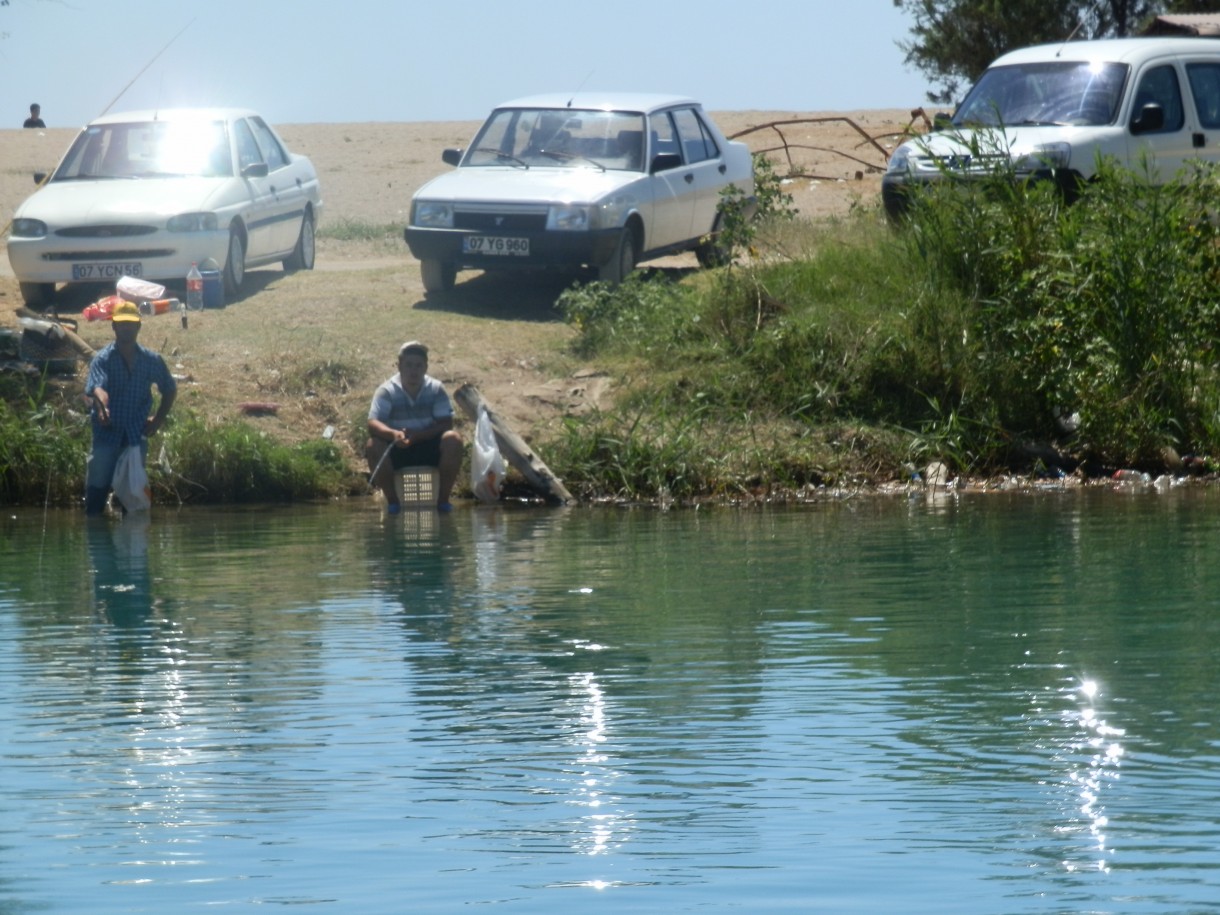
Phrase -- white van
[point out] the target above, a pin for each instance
(1050, 111)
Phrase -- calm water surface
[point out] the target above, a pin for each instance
(968, 705)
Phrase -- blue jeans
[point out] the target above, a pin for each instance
(99, 472)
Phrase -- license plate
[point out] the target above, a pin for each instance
(495, 245)
(106, 271)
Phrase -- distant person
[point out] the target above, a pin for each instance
(119, 391)
(412, 415)
(35, 118)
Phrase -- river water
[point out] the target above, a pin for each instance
(968, 704)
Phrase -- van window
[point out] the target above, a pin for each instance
(1205, 87)
(1159, 86)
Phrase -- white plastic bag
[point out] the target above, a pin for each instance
(130, 481)
(486, 462)
(137, 290)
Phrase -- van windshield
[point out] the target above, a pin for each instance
(1059, 92)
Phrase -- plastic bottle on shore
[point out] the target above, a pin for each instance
(194, 289)
(159, 306)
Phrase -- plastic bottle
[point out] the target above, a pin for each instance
(194, 289)
(159, 306)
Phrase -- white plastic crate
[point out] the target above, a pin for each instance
(418, 487)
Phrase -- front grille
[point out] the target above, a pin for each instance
(500, 222)
(132, 254)
(105, 231)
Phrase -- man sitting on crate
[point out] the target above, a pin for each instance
(412, 417)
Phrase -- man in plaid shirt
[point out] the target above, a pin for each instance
(119, 390)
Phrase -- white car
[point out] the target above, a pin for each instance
(605, 180)
(148, 193)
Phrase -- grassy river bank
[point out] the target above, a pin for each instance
(997, 333)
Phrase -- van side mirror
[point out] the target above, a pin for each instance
(40, 177)
(1150, 118)
(941, 121)
(451, 156)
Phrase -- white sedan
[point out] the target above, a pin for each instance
(599, 179)
(148, 193)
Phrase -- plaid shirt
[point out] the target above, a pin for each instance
(130, 391)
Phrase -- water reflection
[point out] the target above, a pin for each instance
(857, 707)
(1092, 753)
(602, 827)
(118, 562)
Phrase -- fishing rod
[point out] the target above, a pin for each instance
(9, 223)
(385, 454)
(130, 82)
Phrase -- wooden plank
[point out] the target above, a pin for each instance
(514, 448)
(76, 342)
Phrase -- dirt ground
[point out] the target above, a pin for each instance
(316, 344)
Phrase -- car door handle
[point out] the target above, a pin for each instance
(689, 178)
(1198, 140)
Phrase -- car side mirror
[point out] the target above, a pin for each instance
(1150, 118)
(451, 156)
(40, 177)
(941, 121)
(662, 162)
(255, 170)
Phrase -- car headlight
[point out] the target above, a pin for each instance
(433, 215)
(28, 228)
(1049, 155)
(899, 160)
(193, 222)
(569, 218)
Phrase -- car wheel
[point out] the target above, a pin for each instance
(302, 255)
(621, 262)
(709, 252)
(235, 264)
(438, 276)
(36, 295)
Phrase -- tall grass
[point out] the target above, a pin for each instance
(43, 444)
(232, 462)
(993, 314)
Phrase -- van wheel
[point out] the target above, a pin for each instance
(438, 275)
(621, 262)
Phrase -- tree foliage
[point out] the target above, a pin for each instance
(953, 41)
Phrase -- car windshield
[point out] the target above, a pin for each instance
(149, 149)
(560, 137)
(1068, 92)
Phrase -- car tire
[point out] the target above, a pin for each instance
(438, 275)
(710, 253)
(235, 264)
(302, 255)
(35, 295)
(621, 262)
